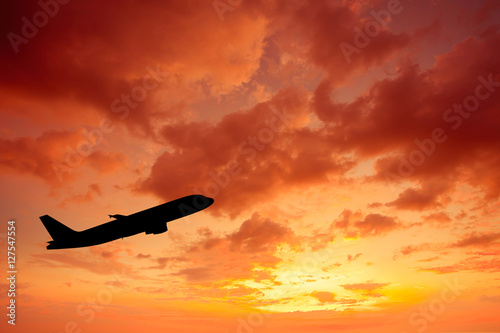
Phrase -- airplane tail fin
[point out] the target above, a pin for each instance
(55, 228)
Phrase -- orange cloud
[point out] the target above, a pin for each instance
(376, 224)
(324, 296)
(93, 190)
(368, 225)
(409, 249)
(233, 256)
(107, 162)
(368, 286)
(35, 156)
(440, 217)
(163, 262)
(351, 257)
(418, 199)
(475, 239)
(469, 264)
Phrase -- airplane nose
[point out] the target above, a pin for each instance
(201, 201)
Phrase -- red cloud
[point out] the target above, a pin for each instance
(313, 24)
(464, 154)
(245, 159)
(77, 57)
(398, 118)
(371, 125)
(389, 121)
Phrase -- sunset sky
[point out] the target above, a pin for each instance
(352, 149)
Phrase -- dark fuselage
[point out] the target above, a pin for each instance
(152, 220)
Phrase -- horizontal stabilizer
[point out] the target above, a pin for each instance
(55, 228)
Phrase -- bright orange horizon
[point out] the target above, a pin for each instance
(351, 147)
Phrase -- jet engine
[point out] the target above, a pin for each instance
(157, 229)
(116, 216)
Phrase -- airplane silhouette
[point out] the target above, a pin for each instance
(151, 221)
